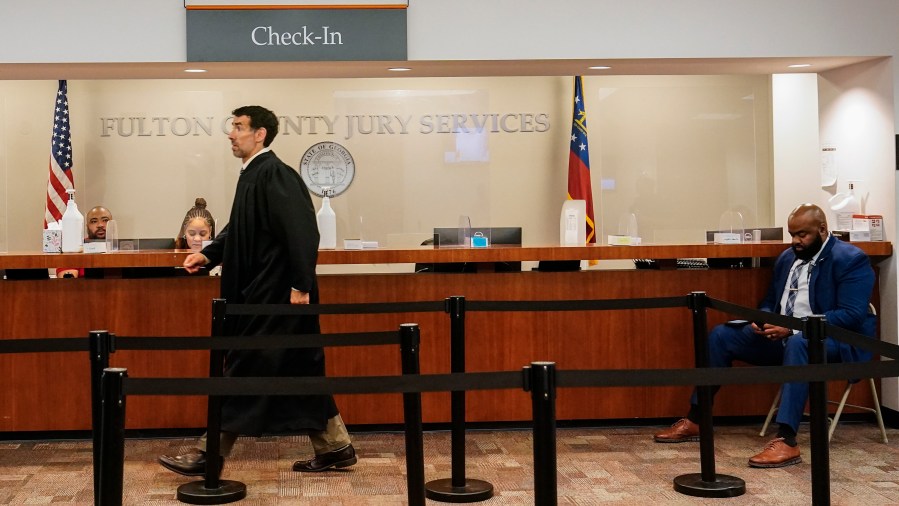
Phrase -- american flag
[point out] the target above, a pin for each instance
(61, 177)
(579, 185)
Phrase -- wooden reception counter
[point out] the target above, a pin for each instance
(49, 392)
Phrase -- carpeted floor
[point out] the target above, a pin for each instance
(595, 466)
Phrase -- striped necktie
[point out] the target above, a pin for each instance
(794, 288)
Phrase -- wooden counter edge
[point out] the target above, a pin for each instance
(878, 251)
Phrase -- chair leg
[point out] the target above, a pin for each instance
(840, 406)
(771, 412)
(883, 431)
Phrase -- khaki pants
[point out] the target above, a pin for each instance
(334, 437)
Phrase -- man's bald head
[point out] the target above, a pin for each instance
(809, 211)
(807, 225)
(96, 222)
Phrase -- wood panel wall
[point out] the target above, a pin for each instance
(50, 392)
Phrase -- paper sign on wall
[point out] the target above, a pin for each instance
(828, 166)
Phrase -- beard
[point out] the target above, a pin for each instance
(808, 252)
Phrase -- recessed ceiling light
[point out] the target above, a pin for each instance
(599, 67)
(194, 71)
(399, 69)
(800, 65)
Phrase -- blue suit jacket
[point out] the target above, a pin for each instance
(840, 288)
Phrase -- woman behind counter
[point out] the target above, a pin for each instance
(198, 226)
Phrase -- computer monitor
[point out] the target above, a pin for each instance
(768, 233)
(510, 236)
(507, 236)
(146, 244)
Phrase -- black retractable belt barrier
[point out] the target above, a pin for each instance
(706, 483)
(814, 332)
(410, 339)
(213, 490)
(112, 438)
(458, 489)
(539, 379)
(100, 342)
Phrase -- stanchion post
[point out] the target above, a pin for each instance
(112, 437)
(213, 490)
(704, 393)
(410, 339)
(214, 404)
(540, 380)
(457, 489)
(814, 332)
(706, 483)
(100, 345)
(456, 308)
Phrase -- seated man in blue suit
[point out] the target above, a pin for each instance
(818, 274)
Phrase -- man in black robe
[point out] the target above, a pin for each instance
(268, 252)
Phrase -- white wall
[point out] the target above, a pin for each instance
(856, 117)
(524, 29)
(137, 30)
(51, 31)
(797, 156)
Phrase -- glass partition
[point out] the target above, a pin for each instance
(679, 151)
(673, 151)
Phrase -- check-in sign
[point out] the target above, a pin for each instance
(296, 34)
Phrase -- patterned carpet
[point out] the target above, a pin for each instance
(595, 466)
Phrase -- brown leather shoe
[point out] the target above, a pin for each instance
(189, 464)
(681, 431)
(777, 453)
(342, 457)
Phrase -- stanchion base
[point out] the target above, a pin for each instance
(196, 492)
(444, 491)
(723, 486)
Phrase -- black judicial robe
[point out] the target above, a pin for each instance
(269, 246)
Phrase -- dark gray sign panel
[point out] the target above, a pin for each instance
(296, 35)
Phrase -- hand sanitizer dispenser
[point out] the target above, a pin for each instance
(72, 226)
(573, 223)
(845, 206)
(327, 224)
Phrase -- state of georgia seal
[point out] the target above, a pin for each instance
(327, 168)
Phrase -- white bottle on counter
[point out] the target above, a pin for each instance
(327, 225)
(846, 208)
(72, 226)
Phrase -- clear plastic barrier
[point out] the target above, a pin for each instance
(730, 229)
(675, 151)
(678, 151)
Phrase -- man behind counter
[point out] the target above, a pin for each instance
(96, 220)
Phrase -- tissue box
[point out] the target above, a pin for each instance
(52, 241)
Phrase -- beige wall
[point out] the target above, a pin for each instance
(676, 150)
